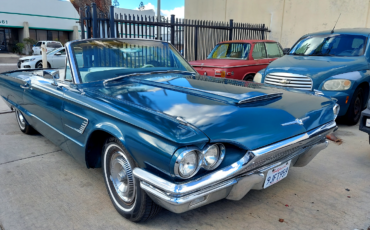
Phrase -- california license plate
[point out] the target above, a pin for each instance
(276, 174)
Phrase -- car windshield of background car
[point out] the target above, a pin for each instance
(230, 51)
(330, 45)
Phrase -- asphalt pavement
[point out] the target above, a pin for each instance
(42, 187)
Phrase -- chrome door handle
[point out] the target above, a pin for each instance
(26, 86)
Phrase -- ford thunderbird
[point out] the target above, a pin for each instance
(164, 135)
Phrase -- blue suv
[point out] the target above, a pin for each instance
(333, 62)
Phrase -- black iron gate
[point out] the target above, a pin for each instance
(193, 38)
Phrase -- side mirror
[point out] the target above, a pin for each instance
(286, 51)
(58, 54)
(52, 74)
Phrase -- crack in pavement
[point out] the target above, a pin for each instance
(28, 158)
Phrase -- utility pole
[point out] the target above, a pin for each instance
(159, 19)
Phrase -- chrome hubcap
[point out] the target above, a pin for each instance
(122, 178)
(21, 120)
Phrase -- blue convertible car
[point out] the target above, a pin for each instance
(334, 62)
(164, 135)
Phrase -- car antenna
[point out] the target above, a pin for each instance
(332, 31)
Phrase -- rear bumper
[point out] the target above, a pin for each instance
(235, 181)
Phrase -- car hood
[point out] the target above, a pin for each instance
(208, 104)
(318, 68)
(220, 62)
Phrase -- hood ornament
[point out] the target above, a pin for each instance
(296, 121)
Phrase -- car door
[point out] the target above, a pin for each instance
(75, 117)
(12, 86)
(58, 59)
(44, 101)
(260, 56)
(273, 51)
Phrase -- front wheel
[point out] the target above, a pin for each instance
(249, 77)
(124, 189)
(354, 110)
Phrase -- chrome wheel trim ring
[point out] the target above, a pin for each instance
(106, 174)
(21, 120)
(122, 178)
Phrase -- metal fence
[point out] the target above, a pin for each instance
(193, 38)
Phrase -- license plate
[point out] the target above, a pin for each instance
(276, 174)
(367, 122)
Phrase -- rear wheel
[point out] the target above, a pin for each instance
(23, 124)
(249, 77)
(124, 189)
(354, 110)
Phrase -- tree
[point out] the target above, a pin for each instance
(20, 47)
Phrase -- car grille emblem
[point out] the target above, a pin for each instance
(296, 121)
(284, 81)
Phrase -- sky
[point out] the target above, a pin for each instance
(168, 7)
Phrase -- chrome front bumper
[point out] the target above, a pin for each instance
(235, 181)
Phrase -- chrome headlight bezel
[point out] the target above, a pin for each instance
(221, 155)
(336, 110)
(343, 84)
(182, 156)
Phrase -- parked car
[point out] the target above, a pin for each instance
(336, 63)
(240, 59)
(164, 135)
(50, 46)
(55, 58)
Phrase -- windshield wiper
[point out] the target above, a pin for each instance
(148, 73)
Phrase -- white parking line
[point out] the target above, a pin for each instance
(8, 64)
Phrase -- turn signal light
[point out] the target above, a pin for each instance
(347, 99)
(220, 73)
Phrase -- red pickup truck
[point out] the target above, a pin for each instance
(239, 59)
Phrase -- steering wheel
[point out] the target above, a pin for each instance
(147, 66)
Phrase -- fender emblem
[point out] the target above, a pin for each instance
(296, 121)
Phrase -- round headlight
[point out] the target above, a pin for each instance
(257, 78)
(187, 164)
(337, 84)
(213, 155)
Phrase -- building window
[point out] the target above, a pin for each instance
(50, 35)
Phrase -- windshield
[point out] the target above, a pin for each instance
(98, 60)
(330, 45)
(230, 51)
(54, 51)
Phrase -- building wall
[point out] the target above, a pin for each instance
(288, 20)
(40, 14)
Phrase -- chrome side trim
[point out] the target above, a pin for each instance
(227, 67)
(83, 126)
(245, 164)
(47, 124)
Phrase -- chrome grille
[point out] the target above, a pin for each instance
(289, 80)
